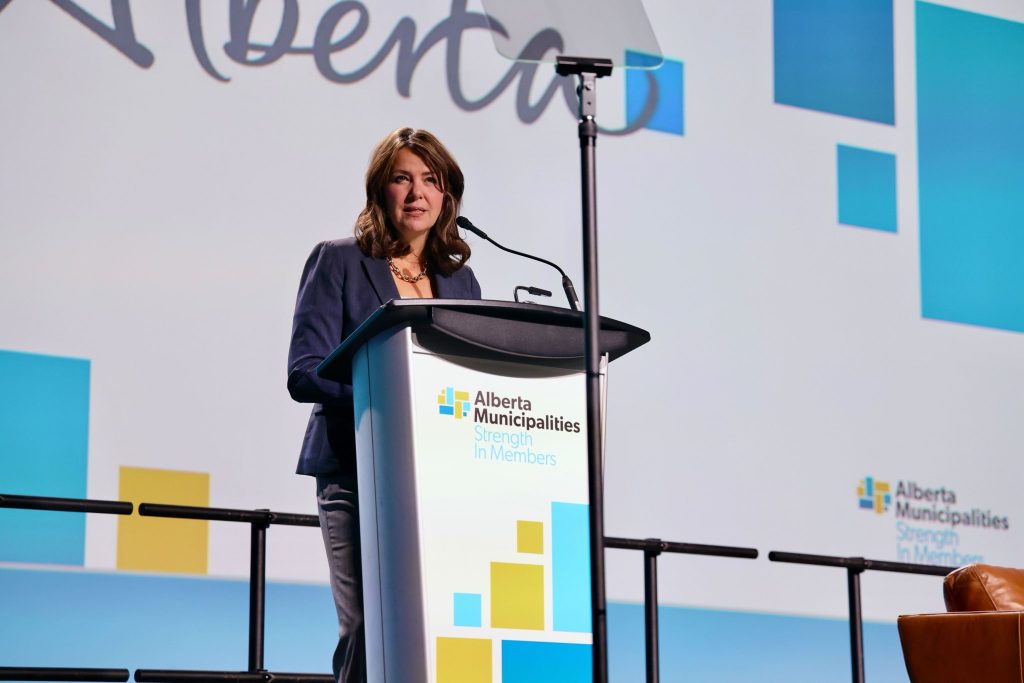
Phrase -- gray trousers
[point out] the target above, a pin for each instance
(338, 508)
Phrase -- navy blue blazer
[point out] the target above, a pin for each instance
(340, 288)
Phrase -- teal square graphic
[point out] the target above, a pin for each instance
(539, 662)
(467, 609)
(970, 104)
(667, 76)
(835, 56)
(44, 437)
(570, 567)
(867, 188)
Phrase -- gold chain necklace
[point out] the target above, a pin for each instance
(407, 278)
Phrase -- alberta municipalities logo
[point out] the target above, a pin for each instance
(491, 408)
(454, 403)
(916, 503)
(930, 522)
(507, 428)
(874, 495)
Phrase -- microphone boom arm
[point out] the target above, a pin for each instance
(570, 291)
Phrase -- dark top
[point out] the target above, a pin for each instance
(340, 288)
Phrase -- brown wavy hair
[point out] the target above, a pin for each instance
(445, 251)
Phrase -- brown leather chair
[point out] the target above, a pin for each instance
(980, 639)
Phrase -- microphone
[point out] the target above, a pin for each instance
(570, 291)
(536, 291)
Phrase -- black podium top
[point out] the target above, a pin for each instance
(494, 330)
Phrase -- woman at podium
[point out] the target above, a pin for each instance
(406, 245)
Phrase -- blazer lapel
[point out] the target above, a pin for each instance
(444, 285)
(454, 286)
(380, 278)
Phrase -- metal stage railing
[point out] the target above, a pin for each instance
(855, 566)
(41, 673)
(652, 547)
(45, 673)
(185, 676)
(109, 507)
(261, 520)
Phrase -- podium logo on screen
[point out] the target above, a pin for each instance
(874, 495)
(453, 402)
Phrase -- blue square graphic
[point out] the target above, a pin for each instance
(540, 662)
(668, 80)
(970, 103)
(44, 437)
(467, 609)
(570, 567)
(835, 56)
(867, 188)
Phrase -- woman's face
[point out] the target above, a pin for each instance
(412, 198)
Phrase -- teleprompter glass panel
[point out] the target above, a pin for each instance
(541, 30)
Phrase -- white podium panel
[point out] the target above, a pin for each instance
(473, 515)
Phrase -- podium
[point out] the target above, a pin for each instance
(472, 466)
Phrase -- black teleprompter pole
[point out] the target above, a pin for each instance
(589, 70)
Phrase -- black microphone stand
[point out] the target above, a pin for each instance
(589, 70)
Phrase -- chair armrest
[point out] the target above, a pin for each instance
(963, 647)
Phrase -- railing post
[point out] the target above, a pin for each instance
(651, 551)
(257, 591)
(853, 573)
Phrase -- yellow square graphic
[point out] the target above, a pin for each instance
(463, 660)
(530, 537)
(462, 396)
(882, 486)
(517, 595)
(163, 544)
